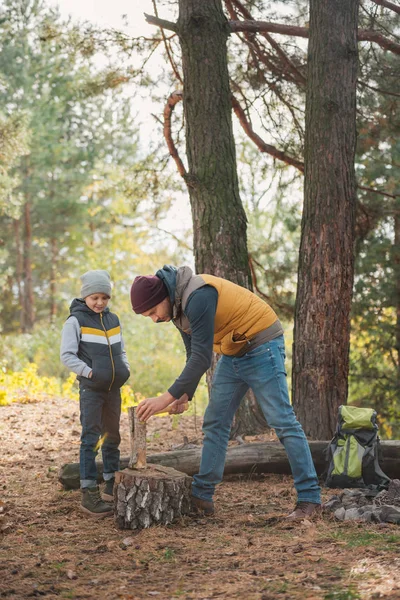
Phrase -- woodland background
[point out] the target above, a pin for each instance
(84, 185)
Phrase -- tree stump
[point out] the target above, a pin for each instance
(153, 496)
(146, 495)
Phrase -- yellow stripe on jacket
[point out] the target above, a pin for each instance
(240, 315)
(98, 336)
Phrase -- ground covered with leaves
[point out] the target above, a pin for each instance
(48, 548)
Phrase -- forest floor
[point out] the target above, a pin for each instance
(48, 548)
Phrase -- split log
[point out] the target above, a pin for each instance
(146, 495)
(137, 434)
(265, 457)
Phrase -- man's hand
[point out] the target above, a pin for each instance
(179, 406)
(150, 406)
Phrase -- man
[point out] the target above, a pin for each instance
(213, 313)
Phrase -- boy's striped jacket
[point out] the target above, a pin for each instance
(93, 342)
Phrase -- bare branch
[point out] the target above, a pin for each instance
(176, 97)
(254, 280)
(368, 189)
(276, 302)
(364, 35)
(388, 4)
(258, 26)
(152, 20)
(261, 145)
(167, 49)
(173, 99)
(375, 89)
(282, 55)
(180, 242)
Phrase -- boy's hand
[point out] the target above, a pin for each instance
(150, 406)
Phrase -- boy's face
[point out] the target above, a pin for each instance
(161, 313)
(97, 302)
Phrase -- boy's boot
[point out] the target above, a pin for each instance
(108, 491)
(93, 505)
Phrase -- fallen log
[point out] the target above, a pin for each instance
(260, 457)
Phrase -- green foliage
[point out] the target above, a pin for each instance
(356, 537)
(13, 144)
(272, 201)
(82, 182)
(375, 344)
(39, 347)
(70, 150)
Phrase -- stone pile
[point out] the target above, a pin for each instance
(367, 505)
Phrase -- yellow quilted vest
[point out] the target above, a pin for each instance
(240, 314)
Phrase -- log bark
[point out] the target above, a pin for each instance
(265, 457)
(156, 495)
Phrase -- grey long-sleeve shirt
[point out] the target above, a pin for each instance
(70, 338)
(200, 311)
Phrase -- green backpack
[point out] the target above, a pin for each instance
(353, 452)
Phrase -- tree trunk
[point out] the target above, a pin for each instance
(53, 279)
(19, 273)
(28, 286)
(397, 283)
(219, 220)
(326, 261)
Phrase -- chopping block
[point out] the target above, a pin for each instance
(146, 495)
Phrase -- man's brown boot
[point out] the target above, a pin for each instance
(304, 510)
(202, 507)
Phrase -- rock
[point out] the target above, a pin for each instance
(390, 514)
(340, 513)
(332, 504)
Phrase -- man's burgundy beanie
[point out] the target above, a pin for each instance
(146, 292)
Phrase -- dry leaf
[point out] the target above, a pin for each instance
(71, 574)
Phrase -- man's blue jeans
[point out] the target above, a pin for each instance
(100, 415)
(262, 370)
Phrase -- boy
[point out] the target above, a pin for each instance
(92, 347)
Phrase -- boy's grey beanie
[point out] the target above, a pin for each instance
(96, 282)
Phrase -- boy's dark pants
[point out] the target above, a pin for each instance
(100, 414)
